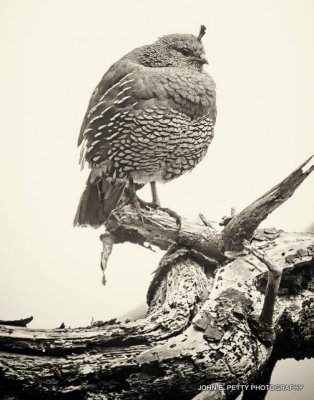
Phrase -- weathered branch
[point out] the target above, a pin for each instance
(242, 226)
(163, 319)
(161, 230)
(198, 330)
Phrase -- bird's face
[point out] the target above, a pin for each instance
(176, 50)
(183, 50)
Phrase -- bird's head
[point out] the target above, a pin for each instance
(176, 50)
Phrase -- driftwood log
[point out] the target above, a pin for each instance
(213, 321)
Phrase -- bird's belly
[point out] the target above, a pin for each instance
(161, 156)
(184, 157)
(142, 176)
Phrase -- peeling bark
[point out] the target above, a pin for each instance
(200, 328)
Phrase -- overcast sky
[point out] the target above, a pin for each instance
(53, 53)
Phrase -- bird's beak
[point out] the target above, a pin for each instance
(202, 59)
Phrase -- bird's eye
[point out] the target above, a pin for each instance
(185, 52)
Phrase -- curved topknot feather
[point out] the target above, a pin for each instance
(202, 32)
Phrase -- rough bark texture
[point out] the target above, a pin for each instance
(200, 328)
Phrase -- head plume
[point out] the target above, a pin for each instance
(202, 32)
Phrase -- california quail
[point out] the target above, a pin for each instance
(150, 119)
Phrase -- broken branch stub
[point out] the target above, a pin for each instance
(242, 226)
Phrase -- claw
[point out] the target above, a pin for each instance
(173, 214)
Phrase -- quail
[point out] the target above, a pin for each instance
(150, 119)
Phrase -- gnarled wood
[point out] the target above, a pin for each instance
(116, 358)
(199, 329)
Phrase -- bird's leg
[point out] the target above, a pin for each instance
(155, 197)
(264, 324)
(156, 204)
(135, 200)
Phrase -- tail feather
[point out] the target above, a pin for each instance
(97, 201)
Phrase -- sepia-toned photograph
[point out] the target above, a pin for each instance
(157, 224)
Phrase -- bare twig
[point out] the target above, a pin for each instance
(205, 221)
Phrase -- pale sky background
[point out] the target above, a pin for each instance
(52, 55)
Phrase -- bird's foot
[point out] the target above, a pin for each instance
(173, 214)
(148, 204)
(157, 206)
(137, 202)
